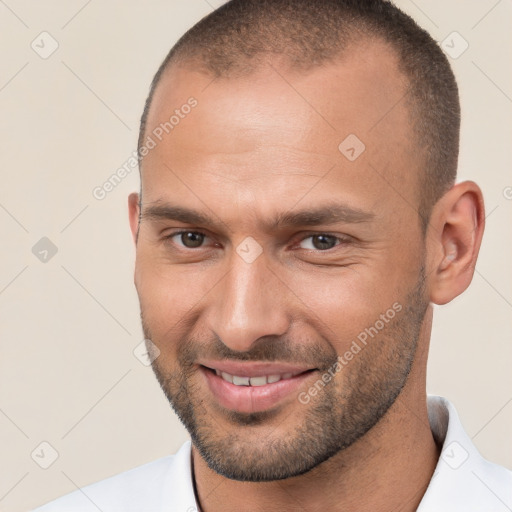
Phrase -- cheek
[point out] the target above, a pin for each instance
(169, 293)
(344, 306)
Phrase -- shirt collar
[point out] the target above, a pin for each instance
(463, 480)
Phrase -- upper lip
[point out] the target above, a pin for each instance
(253, 369)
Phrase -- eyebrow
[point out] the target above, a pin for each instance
(324, 215)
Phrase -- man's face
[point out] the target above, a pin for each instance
(297, 256)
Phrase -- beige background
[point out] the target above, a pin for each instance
(68, 326)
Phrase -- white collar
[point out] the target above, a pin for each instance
(463, 480)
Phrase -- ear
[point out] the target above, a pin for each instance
(453, 239)
(133, 211)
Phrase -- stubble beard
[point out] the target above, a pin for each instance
(255, 448)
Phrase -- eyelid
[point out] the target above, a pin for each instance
(169, 236)
(340, 238)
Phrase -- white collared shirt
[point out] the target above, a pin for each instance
(462, 482)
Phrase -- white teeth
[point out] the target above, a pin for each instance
(240, 381)
(227, 376)
(254, 381)
(258, 381)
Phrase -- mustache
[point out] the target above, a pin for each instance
(284, 349)
(265, 349)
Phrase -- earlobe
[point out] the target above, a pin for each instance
(133, 212)
(455, 235)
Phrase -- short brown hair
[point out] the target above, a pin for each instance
(236, 37)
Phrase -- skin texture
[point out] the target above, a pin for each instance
(254, 148)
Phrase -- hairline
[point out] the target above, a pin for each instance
(196, 62)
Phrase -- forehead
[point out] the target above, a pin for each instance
(279, 128)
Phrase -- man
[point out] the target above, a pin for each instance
(298, 217)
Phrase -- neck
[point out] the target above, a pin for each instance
(389, 468)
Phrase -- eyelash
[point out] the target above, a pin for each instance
(340, 240)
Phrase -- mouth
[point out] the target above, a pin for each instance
(238, 380)
(253, 387)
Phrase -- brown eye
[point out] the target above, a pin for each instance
(190, 239)
(320, 242)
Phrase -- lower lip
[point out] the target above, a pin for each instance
(251, 399)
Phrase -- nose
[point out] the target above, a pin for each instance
(248, 303)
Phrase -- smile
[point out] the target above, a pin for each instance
(255, 381)
(253, 387)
